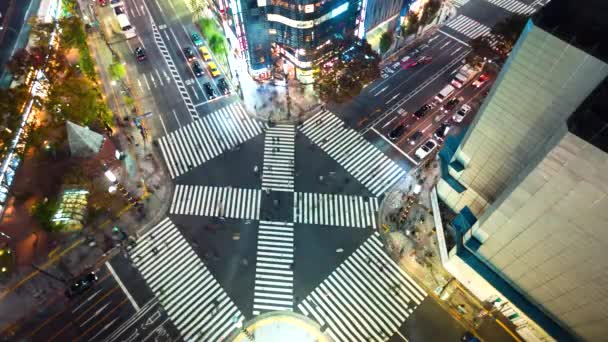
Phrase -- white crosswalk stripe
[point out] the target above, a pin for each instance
(513, 6)
(204, 139)
(279, 152)
(366, 298)
(335, 210)
(274, 268)
(459, 3)
(359, 157)
(467, 26)
(194, 300)
(216, 201)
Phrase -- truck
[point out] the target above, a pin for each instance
(446, 92)
(464, 75)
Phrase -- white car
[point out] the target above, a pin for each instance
(425, 149)
(461, 113)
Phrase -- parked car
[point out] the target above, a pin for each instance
(414, 138)
(422, 111)
(209, 91)
(426, 149)
(140, 53)
(397, 132)
(461, 113)
(196, 39)
(213, 69)
(80, 285)
(119, 10)
(189, 53)
(205, 53)
(410, 63)
(483, 78)
(223, 86)
(197, 69)
(450, 105)
(441, 131)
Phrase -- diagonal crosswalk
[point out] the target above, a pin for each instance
(513, 6)
(335, 210)
(274, 268)
(216, 201)
(192, 297)
(359, 157)
(366, 298)
(279, 158)
(207, 138)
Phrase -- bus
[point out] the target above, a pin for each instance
(125, 26)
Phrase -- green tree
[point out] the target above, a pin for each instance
(386, 40)
(480, 50)
(412, 23)
(72, 33)
(430, 11)
(43, 212)
(40, 31)
(208, 27)
(217, 44)
(117, 71)
(76, 99)
(507, 31)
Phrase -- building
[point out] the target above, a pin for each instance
(288, 36)
(381, 11)
(530, 177)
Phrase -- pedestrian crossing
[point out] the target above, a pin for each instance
(279, 158)
(207, 138)
(468, 27)
(274, 268)
(459, 3)
(225, 202)
(193, 299)
(513, 6)
(360, 158)
(366, 298)
(335, 210)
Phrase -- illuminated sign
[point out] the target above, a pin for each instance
(261, 3)
(307, 23)
(309, 8)
(338, 10)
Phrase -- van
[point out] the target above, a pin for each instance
(446, 92)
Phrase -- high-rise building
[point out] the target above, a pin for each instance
(533, 169)
(296, 33)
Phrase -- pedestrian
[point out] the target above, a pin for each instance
(255, 169)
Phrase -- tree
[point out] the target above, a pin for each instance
(208, 27)
(72, 33)
(217, 44)
(40, 31)
(430, 11)
(76, 99)
(507, 31)
(117, 71)
(386, 40)
(412, 23)
(43, 213)
(480, 50)
(343, 77)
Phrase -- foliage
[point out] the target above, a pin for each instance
(117, 71)
(76, 99)
(11, 105)
(386, 40)
(217, 44)
(507, 31)
(412, 24)
(72, 33)
(40, 31)
(43, 212)
(430, 11)
(349, 73)
(208, 27)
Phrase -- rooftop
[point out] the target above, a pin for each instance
(581, 23)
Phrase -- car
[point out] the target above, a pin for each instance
(425, 60)
(401, 112)
(426, 149)
(103, 3)
(213, 69)
(140, 53)
(209, 91)
(189, 53)
(461, 113)
(197, 69)
(119, 10)
(405, 59)
(396, 132)
(480, 81)
(422, 110)
(205, 53)
(450, 105)
(223, 86)
(441, 131)
(196, 39)
(409, 64)
(81, 284)
(413, 139)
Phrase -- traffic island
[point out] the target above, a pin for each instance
(279, 327)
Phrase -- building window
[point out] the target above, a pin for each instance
(272, 31)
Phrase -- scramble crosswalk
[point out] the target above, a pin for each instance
(274, 268)
(193, 299)
(459, 3)
(206, 138)
(366, 298)
(361, 159)
(279, 158)
(335, 210)
(513, 6)
(468, 27)
(216, 201)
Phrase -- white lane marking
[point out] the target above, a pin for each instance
(195, 93)
(166, 76)
(381, 90)
(427, 127)
(162, 123)
(122, 286)
(137, 10)
(140, 85)
(393, 98)
(147, 83)
(160, 79)
(189, 66)
(444, 45)
(175, 114)
(431, 40)
(97, 312)
(456, 39)
(87, 300)
(200, 104)
(171, 4)
(141, 42)
(153, 80)
(389, 122)
(455, 51)
(395, 146)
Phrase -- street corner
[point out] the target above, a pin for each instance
(279, 326)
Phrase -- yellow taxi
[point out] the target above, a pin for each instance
(205, 53)
(213, 69)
